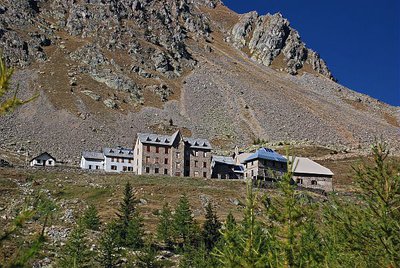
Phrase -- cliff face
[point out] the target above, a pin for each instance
(106, 69)
(264, 38)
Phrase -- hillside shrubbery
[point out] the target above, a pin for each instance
(288, 229)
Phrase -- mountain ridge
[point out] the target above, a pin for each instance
(109, 69)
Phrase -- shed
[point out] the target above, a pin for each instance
(43, 160)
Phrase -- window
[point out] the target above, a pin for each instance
(50, 162)
(196, 173)
(130, 169)
(252, 173)
(178, 154)
(113, 167)
(178, 165)
(157, 149)
(129, 161)
(314, 182)
(166, 161)
(112, 159)
(205, 174)
(137, 151)
(97, 167)
(299, 181)
(125, 168)
(156, 170)
(195, 163)
(148, 148)
(204, 164)
(205, 154)
(166, 150)
(38, 161)
(147, 170)
(90, 166)
(147, 159)
(122, 160)
(177, 174)
(196, 153)
(156, 160)
(165, 171)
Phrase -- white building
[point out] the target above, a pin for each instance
(92, 160)
(43, 160)
(118, 159)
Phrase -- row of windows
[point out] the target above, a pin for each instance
(91, 167)
(157, 171)
(313, 182)
(156, 160)
(124, 168)
(120, 160)
(264, 162)
(187, 162)
(148, 149)
(166, 151)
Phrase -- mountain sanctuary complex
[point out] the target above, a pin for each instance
(177, 156)
(152, 133)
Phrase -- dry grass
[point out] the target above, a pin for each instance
(392, 120)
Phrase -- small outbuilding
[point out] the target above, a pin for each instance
(224, 167)
(92, 160)
(43, 160)
(310, 174)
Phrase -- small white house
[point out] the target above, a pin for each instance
(43, 160)
(118, 159)
(92, 161)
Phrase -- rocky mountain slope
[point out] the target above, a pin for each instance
(107, 69)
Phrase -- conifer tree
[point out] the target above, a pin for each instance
(147, 257)
(165, 226)
(130, 223)
(183, 221)
(211, 227)
(91, 218)
(76, 254)
(109, 252)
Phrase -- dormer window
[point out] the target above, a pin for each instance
(196, 144)
(111, 151)
(148, 139)
(157, 140)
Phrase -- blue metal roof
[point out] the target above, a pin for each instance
(268, 154)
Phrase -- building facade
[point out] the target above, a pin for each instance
(118, 159)
(311, 175)
(172, 156)
(43, 160)
(224, 167)
(92, 161)
(265, 164)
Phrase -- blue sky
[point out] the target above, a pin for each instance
(359, 40)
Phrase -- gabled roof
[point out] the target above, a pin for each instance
(149, 138)
(223, 160)
(303, 165)
(198, 143)
(93, 155)
(267, 154)
(118, 152)
(43, 154)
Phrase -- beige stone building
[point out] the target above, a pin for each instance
(266, 165)
(172, 155)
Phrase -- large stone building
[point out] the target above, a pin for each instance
(172, 155)
(265, 164)
(309, 174)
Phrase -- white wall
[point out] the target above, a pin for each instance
(119, 166)
(92, 164)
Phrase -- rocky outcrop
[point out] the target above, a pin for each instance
(264, 38)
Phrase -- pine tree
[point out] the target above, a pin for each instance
(211, 227)
(365, 231)
(109, 252)
(129, 223)
(76, 253)
(165, 226)
(147, 257)
(91, 218)
(183, 221)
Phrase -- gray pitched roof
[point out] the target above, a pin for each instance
(43, 155)
(303, 165)
(198, 143)
(149, 138)
(93, 155)
(223, 159)
(118, 152)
